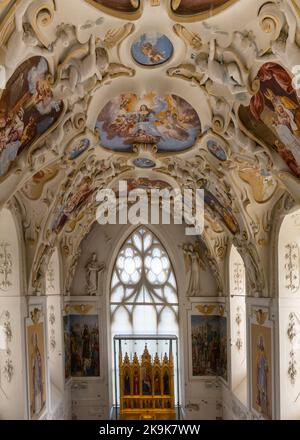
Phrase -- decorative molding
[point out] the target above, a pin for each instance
(50, 277)
(8, 369)
(238, 320)
(292, 333)
(261, 316)
(52, 319)
(206, 309)
(238, 278)
(82, 308)
(6, 265)
(292, 270)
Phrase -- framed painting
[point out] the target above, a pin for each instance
(261, 363)
(36, 363)
(208, 341)
(82, 334)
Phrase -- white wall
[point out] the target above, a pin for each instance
(13, 393)
(238, 331)
(289, 302)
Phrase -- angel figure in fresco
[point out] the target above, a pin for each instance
(93, 267)
(151, 53)
(37, 378)
(262, 370)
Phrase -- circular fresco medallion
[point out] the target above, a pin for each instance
(152, 49)
(216, 150)
(144, 162)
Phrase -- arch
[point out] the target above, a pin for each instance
(143, 280)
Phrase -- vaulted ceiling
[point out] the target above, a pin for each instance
(184, 93)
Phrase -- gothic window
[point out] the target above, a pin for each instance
(143, 288)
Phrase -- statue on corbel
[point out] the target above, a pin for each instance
(194, 263)
(92, 269)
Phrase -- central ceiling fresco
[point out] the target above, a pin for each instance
(168, 122)
(160, 94)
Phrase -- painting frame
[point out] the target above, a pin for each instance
(200, 16)
(92, 308)
(261, 328)
(134, 15)
(35, 334)
(207, 308)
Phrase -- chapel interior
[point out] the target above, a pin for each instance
(145, 320)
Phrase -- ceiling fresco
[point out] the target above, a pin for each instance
(27, 110)
(148, 92)
(274, 114)
(152, 49)
(169, 122)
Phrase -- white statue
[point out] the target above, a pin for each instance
(228, 74)
(194, 261)
(93, 267)
(81, 70)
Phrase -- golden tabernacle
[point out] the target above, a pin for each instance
(147, 387)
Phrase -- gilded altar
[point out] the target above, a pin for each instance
(147, 387)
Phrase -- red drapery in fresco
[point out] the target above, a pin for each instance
(267, 72)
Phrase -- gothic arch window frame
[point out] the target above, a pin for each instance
(143, 284)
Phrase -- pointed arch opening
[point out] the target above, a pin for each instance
(143, 294)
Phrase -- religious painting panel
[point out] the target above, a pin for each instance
(36, 362)
(208, 341)
(27, 110)
(273, 115)
(84, 340)
(261, 363)
(168, 121)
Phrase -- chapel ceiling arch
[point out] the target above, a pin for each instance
(242, 176)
